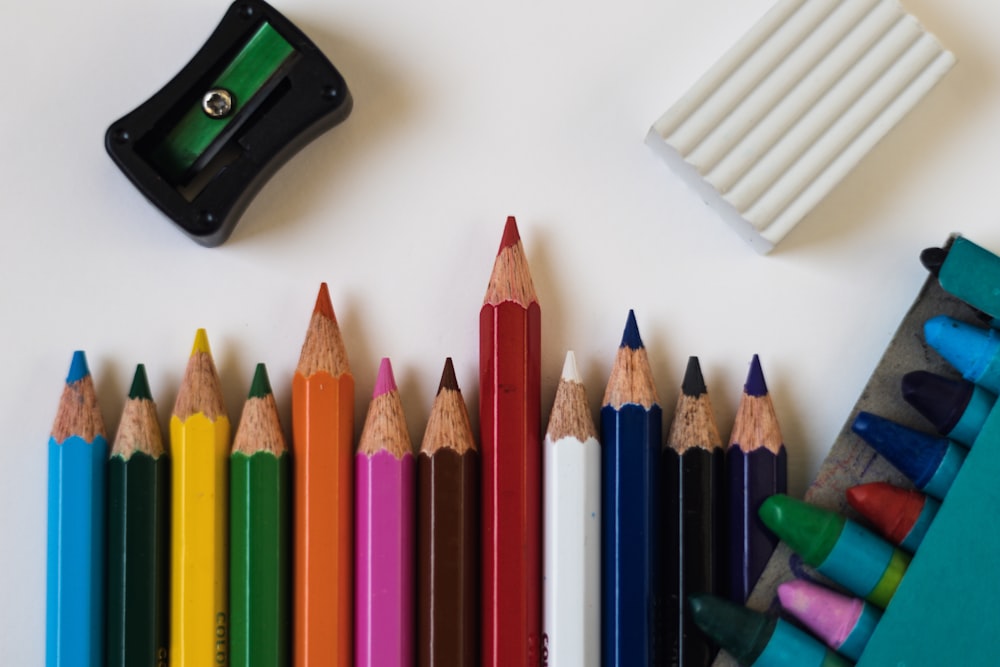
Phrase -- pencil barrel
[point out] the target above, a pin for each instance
(448, 559)
(138, 560)
(259, 560)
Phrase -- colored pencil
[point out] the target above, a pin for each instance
(259, 531)
(901, 516)
(572, 545)
(973, 351)
(930, 462)
(510, 427)
(839, 548)
(759, 640)
(78, 453)
(384, 516)
(448, 533)
(199, 562)
(956, 408)
(843, 623)
(756, 468)
(323, 464)
(694, 532)
(138, 534)
(631, 440)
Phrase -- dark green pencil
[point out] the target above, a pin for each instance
(259, 534)
(138, 534)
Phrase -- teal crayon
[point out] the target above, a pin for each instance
(967, 271)
(956, 408)
(901, 516)
(846, 552)
(758, 640)
(972, 351)
(843, 623)
(930, 462)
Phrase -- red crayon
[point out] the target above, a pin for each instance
(901, 516)
(510, 423)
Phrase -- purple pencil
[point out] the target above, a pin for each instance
(384, 525)
(756, 468)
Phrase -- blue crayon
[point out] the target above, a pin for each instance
(930, 462)
(956, 408)
(973, 351)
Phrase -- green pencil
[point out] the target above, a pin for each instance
(259, 534)
(138, 534)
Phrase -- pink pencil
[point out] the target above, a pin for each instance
(384, 525)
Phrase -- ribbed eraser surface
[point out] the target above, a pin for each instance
(794, 105)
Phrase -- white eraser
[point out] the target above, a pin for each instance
(794, 105)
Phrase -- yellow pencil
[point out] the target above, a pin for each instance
(199, 447)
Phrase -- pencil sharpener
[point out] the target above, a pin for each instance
(203, 145)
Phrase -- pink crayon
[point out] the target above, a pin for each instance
(844, 623)
(384, 532)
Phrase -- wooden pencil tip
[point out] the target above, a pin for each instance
(631, 338)
(570, 372)
(324, 306)
(384, 382)
(78, 368)
(261, 385)
(510, 234)
(755, 385)
(694, 381)
(201, 343)
(448, 379)
(140, 384)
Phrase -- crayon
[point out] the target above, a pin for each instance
(973, 351)
(969, 272)
(837, 547)
(510, 425)
(756, 467)
(956, 408)
(448, 533)
(757, 640)
(384, 547)
(323, 464)
(260, 510)
(843, 623)
(631, 572)
(930, 462)
(901, 516)
(199, 516)
(572, 548)
(75, 588)
(694, 528)
(138, 534)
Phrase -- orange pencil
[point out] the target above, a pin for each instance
(323, 459)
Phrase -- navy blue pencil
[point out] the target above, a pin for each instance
(631, 437)
(756, 468)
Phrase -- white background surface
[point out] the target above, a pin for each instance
(464, 113)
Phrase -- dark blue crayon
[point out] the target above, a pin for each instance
(956, 408)
(930, 462)
(973, 351)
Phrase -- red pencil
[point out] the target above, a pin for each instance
(510, 423)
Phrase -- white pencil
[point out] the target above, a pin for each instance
(572, 528)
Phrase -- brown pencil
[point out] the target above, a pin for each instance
(447, 533)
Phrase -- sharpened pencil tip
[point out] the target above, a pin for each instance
(448, 379)
(570, 372)
(201, 343)
(78, 368)
(140, 384)
(384, 382)
(510, 234)
(755, 385)
(261, 385)
(323, 305)
(694, 382)
(631, 338)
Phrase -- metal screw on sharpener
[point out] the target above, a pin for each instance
(217, 103)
